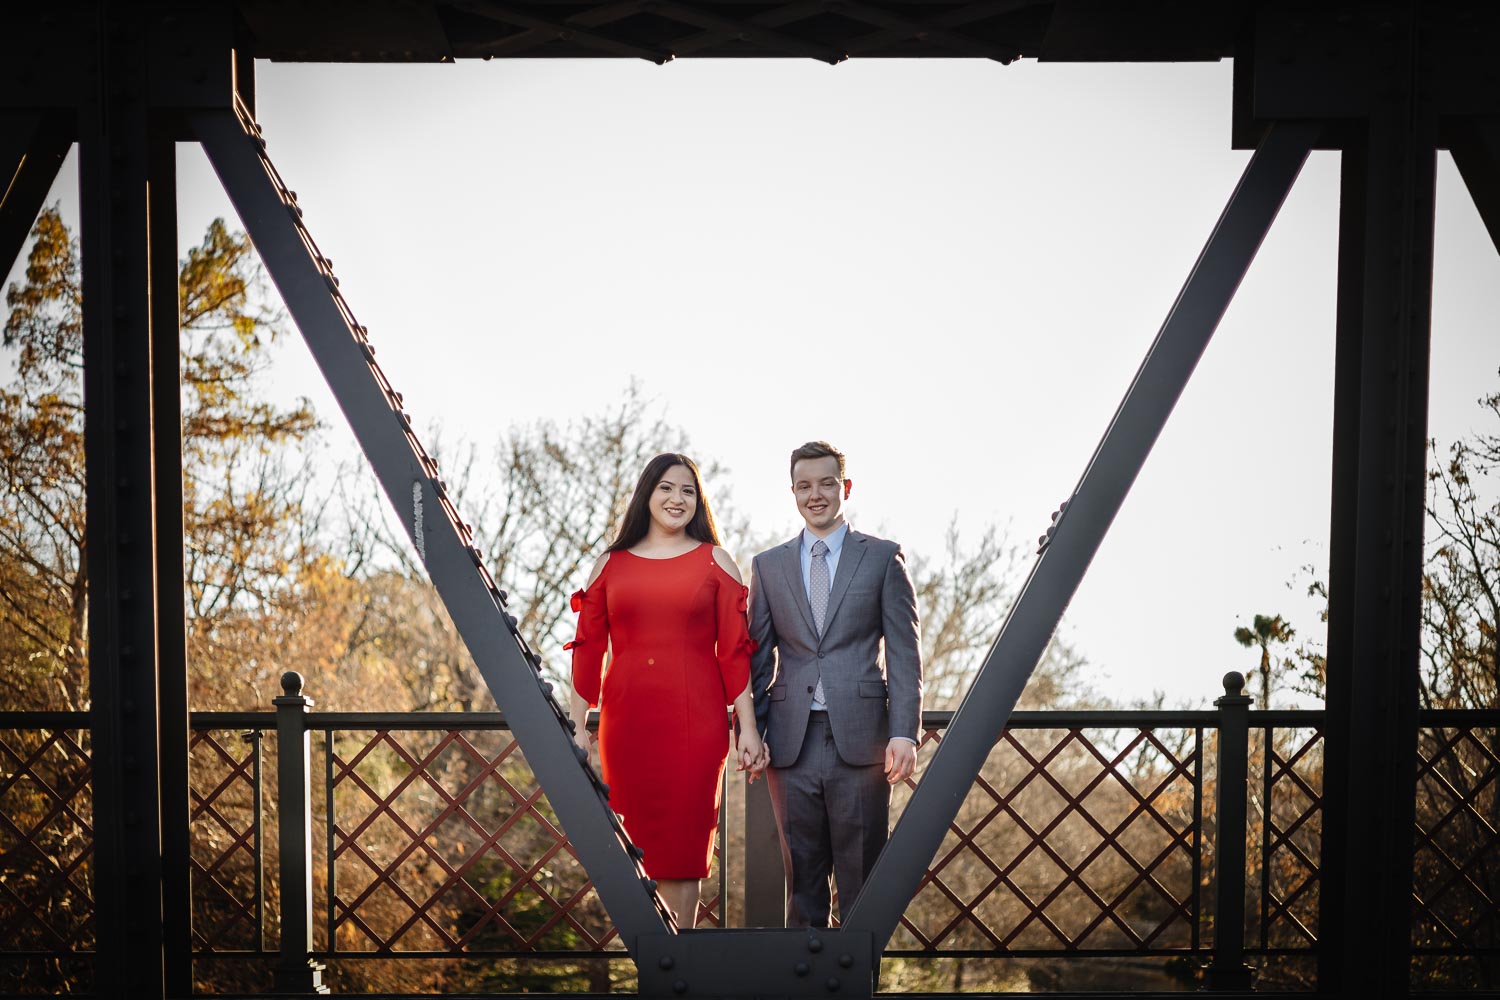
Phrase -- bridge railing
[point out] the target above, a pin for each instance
(1087, 835)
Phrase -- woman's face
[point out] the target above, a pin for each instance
(674, 501)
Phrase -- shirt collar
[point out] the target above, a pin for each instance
(835, 541)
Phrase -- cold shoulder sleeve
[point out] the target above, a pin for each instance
(590, 642)
(734, 645)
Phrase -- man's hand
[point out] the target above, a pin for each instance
(900, 760)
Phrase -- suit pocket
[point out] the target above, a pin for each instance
(778, 693)
(872, 689)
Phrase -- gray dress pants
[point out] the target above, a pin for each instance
(833, 818)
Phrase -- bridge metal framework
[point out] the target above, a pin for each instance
(1387, 83)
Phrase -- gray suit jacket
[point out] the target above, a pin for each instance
(869, 656)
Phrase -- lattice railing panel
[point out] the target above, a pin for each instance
(442, 842)
(224, 788)
(46, 842)
(1287, 813)
(1456, 879)
(1069, 840)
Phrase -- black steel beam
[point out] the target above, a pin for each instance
(541, 29)
(171, 597)
(32, 148)
(1379, 512)
(1475, 145)
(1071, 544)
(121, 513)
(1344, 509)
(410, 480)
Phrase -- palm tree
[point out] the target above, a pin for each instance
(1265, 630)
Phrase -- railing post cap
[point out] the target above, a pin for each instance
(1234, 692)
(291, 684)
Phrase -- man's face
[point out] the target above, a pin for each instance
(819, 492)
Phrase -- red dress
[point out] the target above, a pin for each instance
(680, 654)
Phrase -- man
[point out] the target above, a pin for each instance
(841, 715)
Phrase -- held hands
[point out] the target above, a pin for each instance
(900, 760)
(752, 753)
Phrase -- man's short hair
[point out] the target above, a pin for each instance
(817, 449)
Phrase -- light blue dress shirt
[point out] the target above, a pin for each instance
(835, 543)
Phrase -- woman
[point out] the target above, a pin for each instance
(669, 605)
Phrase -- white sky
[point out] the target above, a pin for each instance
(951, 269)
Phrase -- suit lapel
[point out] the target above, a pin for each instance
(791, 565)
(849, 559)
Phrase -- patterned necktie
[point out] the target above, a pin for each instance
(818, 584)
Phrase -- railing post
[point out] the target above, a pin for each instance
(765, 878)
(1228, 970)
(296, 972)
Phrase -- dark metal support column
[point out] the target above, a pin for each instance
(296, 973)
(171, 607)
(1080, 529)
(119, 443)
(1229, 971)
(1341, 564)
(1374, 627)
(32, 148)
(443, 543)
(765, 875)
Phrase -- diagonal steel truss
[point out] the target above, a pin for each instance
(1080, 525)
(32, 147)
(410, 479)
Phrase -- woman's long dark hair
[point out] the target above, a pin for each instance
(638, 514)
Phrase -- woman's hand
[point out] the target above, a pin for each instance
(583, 738)
(579, 713)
